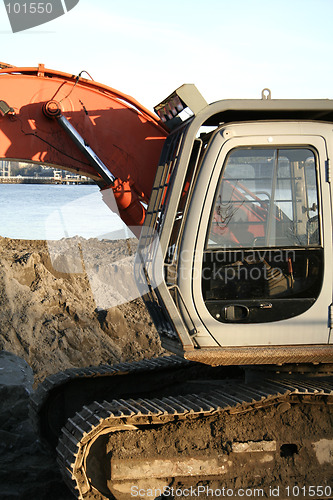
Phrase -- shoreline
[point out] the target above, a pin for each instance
(45, 180)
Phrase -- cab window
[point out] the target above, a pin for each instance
(263, 259)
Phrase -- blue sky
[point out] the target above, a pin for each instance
(148, 48)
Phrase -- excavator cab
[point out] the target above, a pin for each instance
(244, 219)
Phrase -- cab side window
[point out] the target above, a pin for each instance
(263, 259)
(266, 198)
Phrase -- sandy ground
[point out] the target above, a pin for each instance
(61, 307)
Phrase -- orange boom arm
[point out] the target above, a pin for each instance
(125, 136)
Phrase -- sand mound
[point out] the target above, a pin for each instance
(55, 318)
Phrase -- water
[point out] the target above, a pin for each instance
(53, 212)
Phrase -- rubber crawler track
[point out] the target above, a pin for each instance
(61, 378)
(61, 395)
(233, 398)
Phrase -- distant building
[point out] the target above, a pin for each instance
(4, 168)
(57, 174)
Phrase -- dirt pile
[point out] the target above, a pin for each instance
(53, 316)
(56, 319)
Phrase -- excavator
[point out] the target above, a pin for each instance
(231, 203)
